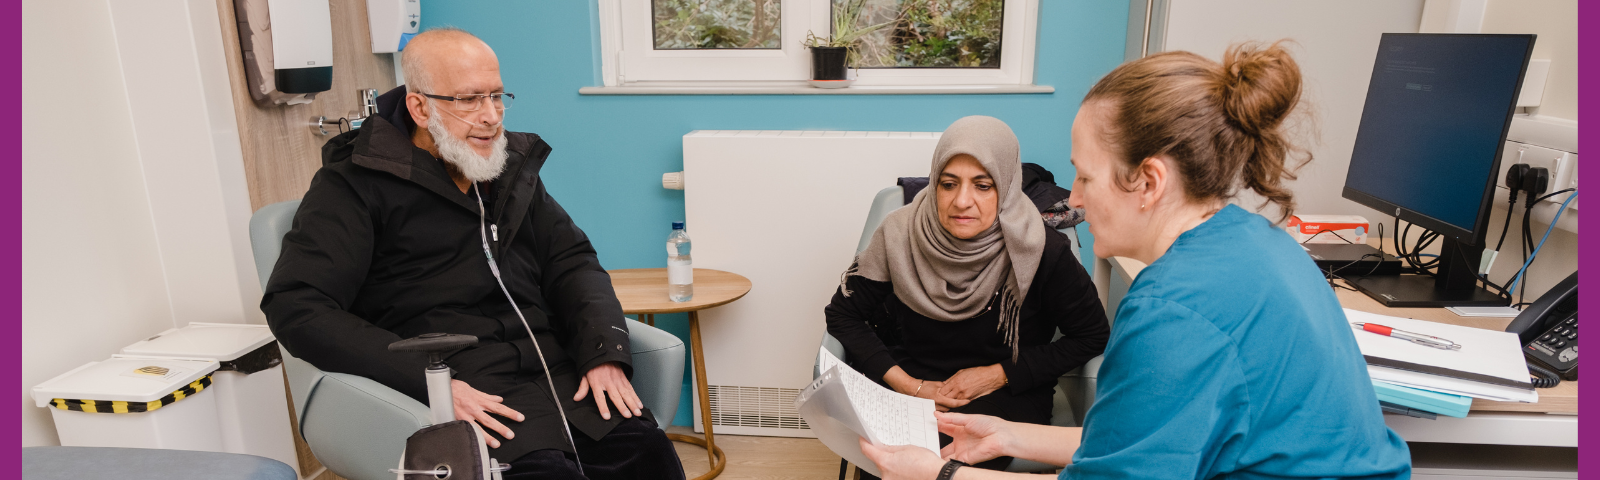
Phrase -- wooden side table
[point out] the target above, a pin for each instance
(643, 291)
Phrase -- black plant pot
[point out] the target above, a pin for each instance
(827, 63)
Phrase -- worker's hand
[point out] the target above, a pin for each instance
(974, 438)
(902, 461)
(607, 380)
(902, 382)
(475, 406)
(970, 383)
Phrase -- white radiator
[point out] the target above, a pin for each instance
(784, 209)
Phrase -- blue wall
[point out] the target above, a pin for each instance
(610, 151)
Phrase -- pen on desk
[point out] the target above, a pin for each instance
(1417, 338)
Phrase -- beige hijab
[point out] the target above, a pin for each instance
(949, 279)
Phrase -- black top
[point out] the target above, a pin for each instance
(384, 246)
(879, 331)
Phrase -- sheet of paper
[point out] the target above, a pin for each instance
(1452, 385)
(842, 405)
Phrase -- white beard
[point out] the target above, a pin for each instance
(477, 168)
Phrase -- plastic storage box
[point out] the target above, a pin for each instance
(252, 407)
(135, 402)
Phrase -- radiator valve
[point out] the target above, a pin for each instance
(672, 180)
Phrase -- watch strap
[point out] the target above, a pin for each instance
(949, 469)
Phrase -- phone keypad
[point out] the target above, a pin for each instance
(1558, 345)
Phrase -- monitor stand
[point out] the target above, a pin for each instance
(1455, 285)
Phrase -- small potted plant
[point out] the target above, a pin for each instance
(829, 55)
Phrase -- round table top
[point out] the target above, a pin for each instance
(644, 290)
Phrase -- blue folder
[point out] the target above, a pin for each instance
(1425, 400)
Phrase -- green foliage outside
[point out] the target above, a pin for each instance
(694, 24)
(919, 33)
(931, 33)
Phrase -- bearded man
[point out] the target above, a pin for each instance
(389, 244)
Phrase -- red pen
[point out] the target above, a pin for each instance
(1417, 338)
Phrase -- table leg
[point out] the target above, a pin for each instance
(719, 460)
(652, 318)
(700, 379)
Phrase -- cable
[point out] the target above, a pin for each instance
(1510, 208)
(1336, 234)
(1552, 194)
(495, 269)
(1543, 377)
(1520, 273)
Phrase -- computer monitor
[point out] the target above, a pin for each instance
(1428, 151)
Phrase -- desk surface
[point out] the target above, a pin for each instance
(1561, 399)
(644, 290)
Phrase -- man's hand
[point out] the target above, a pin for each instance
(607, 380)
(974, 438)
(902, 461)
(904, 383)
(475, 406)
(971, 383)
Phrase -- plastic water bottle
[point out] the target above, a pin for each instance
(680, 268)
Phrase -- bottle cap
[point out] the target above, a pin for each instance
(677, 225)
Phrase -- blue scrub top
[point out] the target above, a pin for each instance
(1230, 357)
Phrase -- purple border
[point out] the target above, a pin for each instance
(11, 217)
(1588, 430)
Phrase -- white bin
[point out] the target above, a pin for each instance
(252, 407)
(178, 411)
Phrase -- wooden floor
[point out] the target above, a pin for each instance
(767, 458)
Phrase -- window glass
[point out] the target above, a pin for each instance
(716, 24)
(929, 33)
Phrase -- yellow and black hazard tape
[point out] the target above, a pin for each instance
(103, 406)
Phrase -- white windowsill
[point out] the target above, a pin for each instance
(801, 88)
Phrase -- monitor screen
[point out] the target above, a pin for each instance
(1435, 119)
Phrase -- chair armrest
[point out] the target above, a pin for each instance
(358, 427)
(833, 346)
(658, 359)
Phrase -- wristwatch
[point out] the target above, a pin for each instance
(949, 469)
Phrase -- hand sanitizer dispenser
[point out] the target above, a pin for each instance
(393, 23)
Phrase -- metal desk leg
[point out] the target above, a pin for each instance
(718, 460)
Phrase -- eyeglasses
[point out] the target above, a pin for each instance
(473, 101)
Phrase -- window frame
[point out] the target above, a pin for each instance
(630, 60)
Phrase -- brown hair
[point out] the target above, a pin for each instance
(1220, 122)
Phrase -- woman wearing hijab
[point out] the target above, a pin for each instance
(1231, 357)
(959, 293)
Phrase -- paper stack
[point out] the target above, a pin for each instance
(842, 405)
(1489, 365)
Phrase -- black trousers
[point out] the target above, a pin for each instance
(635, 449)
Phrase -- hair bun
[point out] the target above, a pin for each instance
(1260, 85)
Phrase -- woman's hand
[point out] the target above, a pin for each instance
(970, 383)
(475, 406)
(904, 383)
(902, 461)
(975, 438)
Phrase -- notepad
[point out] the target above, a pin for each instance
(1489, 364)
(1425, 400)
(842, 405)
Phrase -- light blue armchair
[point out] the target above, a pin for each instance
(1075, 390)
(358, 428)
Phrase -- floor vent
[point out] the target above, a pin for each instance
(755, 407)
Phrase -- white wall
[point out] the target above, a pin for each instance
(1556, 24)
(91, 269)
(1337, 43)
(132, 184)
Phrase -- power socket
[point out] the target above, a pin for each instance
(1561, 166)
